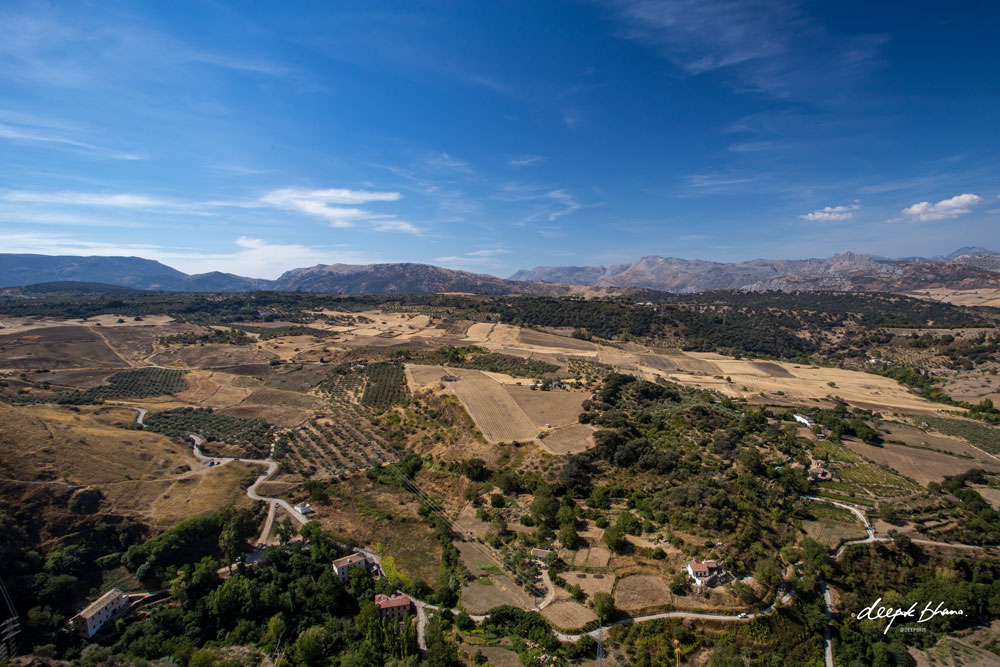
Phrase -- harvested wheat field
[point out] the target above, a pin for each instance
(914, 437)
(82, 379)
(592, 557)
(214, 389)
(496, 414)
(57, 347)
(986, 296)
(690, 362)
(479, 597)
(137, 340)
(561, 343)
(210, 356)
(832, 534)
(571, 439)
(990, 495)
(657, 362)
(476, 557)
(568, 615)
(557, 408)
(919, 464)
(807, 383)
(591, 583)
(640, 591)
(418, 375)
(772, 369)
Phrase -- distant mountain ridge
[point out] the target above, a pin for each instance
(966, 268)
(18, 270)
(970, 267)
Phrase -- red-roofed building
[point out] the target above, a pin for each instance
(396, 606)
(704, 572)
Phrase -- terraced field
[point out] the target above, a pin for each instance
(496, 414)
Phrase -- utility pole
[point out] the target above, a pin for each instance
(8, 628)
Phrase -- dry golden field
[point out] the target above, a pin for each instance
(57, 347)
(571, 439)
(568, 615)
(555, 408)
(640, 591)
(496, 414)
(590, 583)
(922, 465)
(479, 597)
(987, 296)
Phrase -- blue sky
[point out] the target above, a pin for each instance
(256, 137)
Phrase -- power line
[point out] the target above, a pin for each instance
(8, 628)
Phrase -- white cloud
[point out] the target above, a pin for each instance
(525, 160)
(252, 257)
(473, 259)
(772, 47)
(828, 213)
(84, 199)
(445, 161)
(945, 209)
(32, 135)
(328, 205)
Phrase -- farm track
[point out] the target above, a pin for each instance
(111, 347)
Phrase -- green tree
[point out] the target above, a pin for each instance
(614, 537)
(310, 646)
(604, 606)
(568, 536)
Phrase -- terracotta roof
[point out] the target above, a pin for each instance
(386, 602)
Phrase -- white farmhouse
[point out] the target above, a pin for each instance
(342, 566)
(99, 612)
(805, 421)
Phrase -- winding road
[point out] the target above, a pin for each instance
(271, 467)
(270, 464)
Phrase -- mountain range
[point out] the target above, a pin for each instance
(966, 268)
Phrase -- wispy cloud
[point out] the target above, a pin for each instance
(946, 209)
(31, 135)
(337, 206)
(475, 260)
(445, 161)
(771, 47)
(525, 160)
(249, 256)
(555, 203)
(829, 213)
(83, 199)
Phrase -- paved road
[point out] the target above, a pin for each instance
(828, 597)
(678, 614)
(827, 640)
(550, 594)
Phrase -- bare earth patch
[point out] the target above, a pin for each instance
(570, 439)
(478, 598)
(558, 408)
(568, 615)
(919, 464)
(639, 591)
(591, 583)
